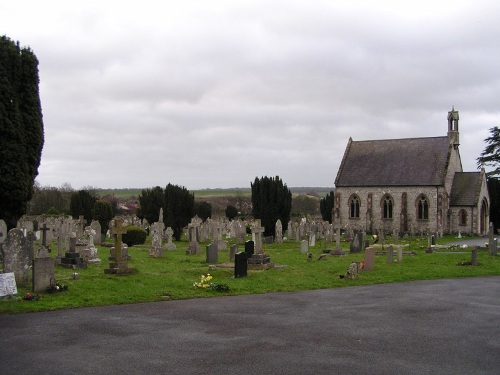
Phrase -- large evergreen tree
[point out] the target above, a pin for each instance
(271, 200)
(150, 201)
(82, 203)
(21, 128)
(490, 157)
(326, 207)
(179, 208)
(494, 191)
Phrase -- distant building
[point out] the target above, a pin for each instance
(410, 185)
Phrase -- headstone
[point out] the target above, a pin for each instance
(369, 259)
(352, 271)
(390, 255)
(232, 251)
(156, 232)
(119, 266)
(96, 227)
(212, 254)
(8, 285)
(72, 258)
(494, 248)
(249, 248)
(304, 247)
(194, 246)
(43, 273)
(3, 236)
(240, 264)
(400, 253)
(491, 244)
(169, 232)
(356, 243)
(473, 260)
(312, 239)
(18, 253)
(257, 231)
(279, 231)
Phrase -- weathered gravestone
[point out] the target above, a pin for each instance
(194, 246)
(257, 231)
(119, 266)
(338, 249)
(232, 251)
(356, 243)
(492, 241)
(212, 254)
(240, 264)
(390, 255)
(279, 231)
(18, 253)
(156, 232)
(369, 259)
(3, 236)
(96, 227)
(169, 232)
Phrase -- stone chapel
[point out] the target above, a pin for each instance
(412, 185)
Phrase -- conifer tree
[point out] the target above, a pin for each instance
(21, 128)
(271, 200)
(326, 207)
(178, 209)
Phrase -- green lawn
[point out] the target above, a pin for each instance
(172, 277)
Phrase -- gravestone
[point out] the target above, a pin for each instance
(356, 243)
(369, 259)
(169, 232)
(212, 254)
(494, 248)
(240, 264)
(96, 227)
(3, 236)
(249, 248)
(232, 251)
(473, 260)
(18, 252)
(72, 258)
(400, 253)
(353, 271)
(156, 232)
(390, 255)
(194, 246)
(43, 273)
(8, 285)
(492, 243)
(304, 247)
(338, 249)
(279, 231)
(312, 239)
(257, 231)
(119, 266)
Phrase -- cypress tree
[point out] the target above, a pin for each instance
(21, 129)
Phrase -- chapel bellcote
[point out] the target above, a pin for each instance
(453, 127)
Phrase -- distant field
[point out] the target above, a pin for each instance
(206, 193)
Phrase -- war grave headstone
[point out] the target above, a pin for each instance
(119, 266)
(169, 232)
(212, 254)
(240, 264)
(18, 253)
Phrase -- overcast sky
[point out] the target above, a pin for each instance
(211, 94)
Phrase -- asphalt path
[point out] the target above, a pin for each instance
(425, 327)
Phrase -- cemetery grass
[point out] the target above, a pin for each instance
(172, 276)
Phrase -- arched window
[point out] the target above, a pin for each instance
(462, 217)
(354, 207)
(388, 204)
(423, 208)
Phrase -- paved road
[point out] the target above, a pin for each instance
(425, 327)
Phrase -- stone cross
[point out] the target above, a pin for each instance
(44, 230)
(117, 231)
(257, 231)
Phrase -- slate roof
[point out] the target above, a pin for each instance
(395, 162)
(466, 189)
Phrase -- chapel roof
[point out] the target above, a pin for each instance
(466, 189)
(395, 162)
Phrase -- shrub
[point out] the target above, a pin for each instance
(134, 236)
